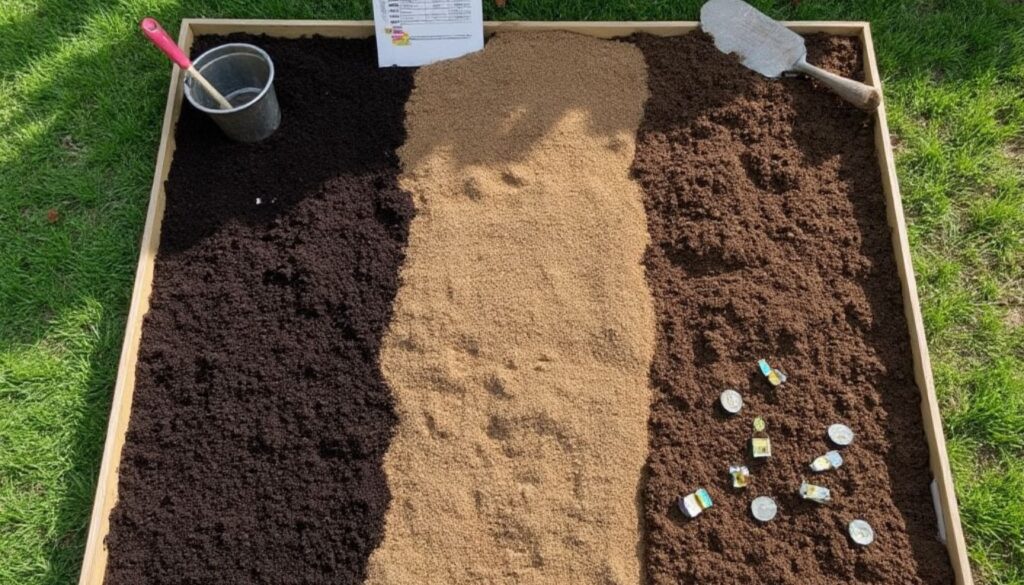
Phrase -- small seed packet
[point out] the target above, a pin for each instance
(775, 376)
(815, 493)
(761, 447)
(693, 504)
(740, 476)
(830, 460)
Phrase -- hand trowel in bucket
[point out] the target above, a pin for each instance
(232, 83)
(771, 49)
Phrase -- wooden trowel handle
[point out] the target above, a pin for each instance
(863, 96)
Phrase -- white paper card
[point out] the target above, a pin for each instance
(418, 32)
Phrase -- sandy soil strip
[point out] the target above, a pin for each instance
(523, 330)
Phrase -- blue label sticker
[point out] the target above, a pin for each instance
(704, 498)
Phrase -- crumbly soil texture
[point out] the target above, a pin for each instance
(769, 240)
(260, 416)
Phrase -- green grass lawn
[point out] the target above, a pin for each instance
(81, 102)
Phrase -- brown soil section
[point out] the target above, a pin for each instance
(769, 239)
(260, 417)
(523, 331)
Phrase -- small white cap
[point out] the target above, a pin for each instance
(840, 434)
(764, 508)
(731, 401)
(861, 532)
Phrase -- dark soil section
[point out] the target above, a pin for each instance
(260, 416)
(769, 239)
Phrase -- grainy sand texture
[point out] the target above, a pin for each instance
(523, 331)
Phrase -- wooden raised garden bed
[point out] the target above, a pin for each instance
(764, 170)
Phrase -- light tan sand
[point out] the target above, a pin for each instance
(523, 330)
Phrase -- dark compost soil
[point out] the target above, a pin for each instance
(769, 239)
(260, 417)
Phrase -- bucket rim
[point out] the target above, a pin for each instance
(218, 111)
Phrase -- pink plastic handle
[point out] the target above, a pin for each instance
(156, 33)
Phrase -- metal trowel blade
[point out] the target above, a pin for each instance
(762, 44)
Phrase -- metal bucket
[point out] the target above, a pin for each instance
(244, 74)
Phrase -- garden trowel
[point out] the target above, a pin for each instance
(769, 48)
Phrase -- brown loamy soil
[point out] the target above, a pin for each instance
(769, 239)
(520, 350)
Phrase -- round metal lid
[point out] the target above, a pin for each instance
(731, 401)
(764, 508)
(840, 434)
(861, 532)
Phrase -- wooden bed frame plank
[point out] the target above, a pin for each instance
(95, 561)
(364, 28)
(931, 418)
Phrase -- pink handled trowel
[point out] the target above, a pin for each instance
(159, 37)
